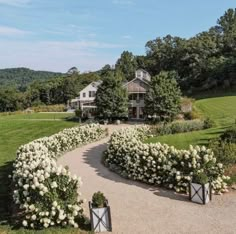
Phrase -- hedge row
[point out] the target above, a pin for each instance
(45, 193)
(179, 127)
(161, 164)
(49, 108)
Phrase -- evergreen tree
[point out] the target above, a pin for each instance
(112, 98)
(163, 97)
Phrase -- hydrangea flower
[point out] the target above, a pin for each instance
(37, 178)
(157, 163)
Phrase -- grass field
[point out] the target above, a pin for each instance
(16, 130)
(36, 116)
(221, 109)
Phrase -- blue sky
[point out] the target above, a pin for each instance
(58, 34)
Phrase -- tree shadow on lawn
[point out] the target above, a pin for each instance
(215, 93)
(93, 157)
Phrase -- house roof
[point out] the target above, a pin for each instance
(136, 78)
(94, 84)
(136, 85)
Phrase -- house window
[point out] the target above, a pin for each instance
(92, 93)
(141, 96)
(131, 97)
(84, 94)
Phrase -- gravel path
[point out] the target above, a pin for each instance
(140, 208)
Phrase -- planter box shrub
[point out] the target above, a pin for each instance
(200, 193)
(100, 218)
(100, 213)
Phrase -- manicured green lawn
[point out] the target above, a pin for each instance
(221, 109)
(183, 140)
(16, 130)
(14, 133)
(36, 116)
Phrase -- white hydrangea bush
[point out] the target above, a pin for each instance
(159, 163)
(47, 194)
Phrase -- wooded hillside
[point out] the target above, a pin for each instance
(22, 77)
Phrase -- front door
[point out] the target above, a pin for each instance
(140, 114)
(133, 112)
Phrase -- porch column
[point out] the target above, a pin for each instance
(137, 111)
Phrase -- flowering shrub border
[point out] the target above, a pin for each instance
(159, 163)
(179, 126)
(45, 193)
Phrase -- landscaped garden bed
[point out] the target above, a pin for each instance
(44, 193)
(161, 164)
(180, 127)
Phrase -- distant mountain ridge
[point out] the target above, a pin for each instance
(21, 77)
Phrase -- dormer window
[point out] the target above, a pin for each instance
(139, 74)
(142, 75)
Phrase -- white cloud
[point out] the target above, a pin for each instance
(9, 31)
(123, 2)
(15, 2)
(58, 56)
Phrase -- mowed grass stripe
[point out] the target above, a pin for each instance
(14, 134)
(222, 110)
(37, 116)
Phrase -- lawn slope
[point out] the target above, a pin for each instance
(221, 109)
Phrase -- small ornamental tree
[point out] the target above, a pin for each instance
(79, 113)
(111, 98)
(163, 97)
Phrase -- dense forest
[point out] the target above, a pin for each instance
(22, 77)
(204, 62)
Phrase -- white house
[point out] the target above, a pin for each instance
(85, 100)
(136, 88)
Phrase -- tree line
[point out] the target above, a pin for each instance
(53, 91)
(203, 62)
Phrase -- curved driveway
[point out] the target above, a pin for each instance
(140, 208)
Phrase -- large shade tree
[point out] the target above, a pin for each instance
(162, 100)
(112, 98)
(127, 64)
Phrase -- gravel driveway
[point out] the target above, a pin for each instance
(140, 208)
